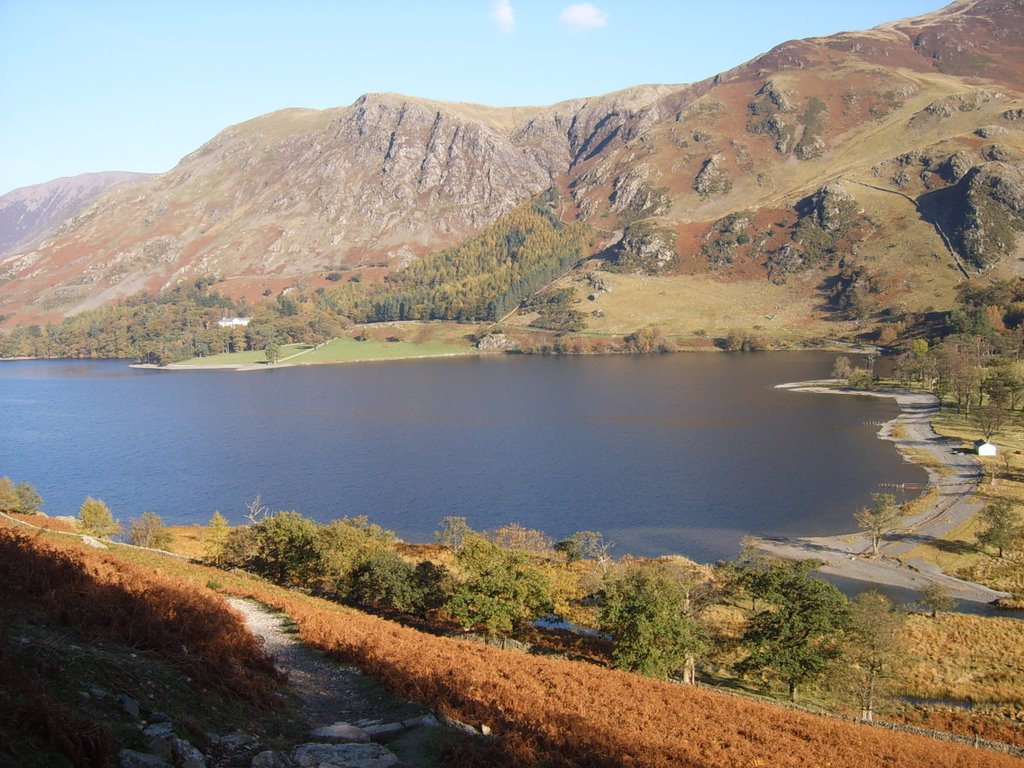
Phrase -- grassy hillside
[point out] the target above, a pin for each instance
(543, 711)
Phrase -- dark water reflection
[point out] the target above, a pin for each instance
(676, 453)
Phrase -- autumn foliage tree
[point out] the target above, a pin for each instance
(872, 652)
(96, 519)
(21, 498)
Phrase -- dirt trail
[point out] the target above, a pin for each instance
(848, 556)
(330, 692)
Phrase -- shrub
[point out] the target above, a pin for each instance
(149, 531)
(384, 580)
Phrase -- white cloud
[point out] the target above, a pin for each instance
(580, 17)
(504, 16)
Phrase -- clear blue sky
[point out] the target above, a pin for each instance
(136, 84)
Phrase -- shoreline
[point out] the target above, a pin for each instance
(956, 477)
(245, 367)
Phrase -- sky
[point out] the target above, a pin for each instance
(134, 85)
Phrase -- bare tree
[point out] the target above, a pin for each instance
(256, 510)
(879, 518)
(595, 546)
(990, 420)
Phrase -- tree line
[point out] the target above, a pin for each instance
(659, 615)
(482, 279)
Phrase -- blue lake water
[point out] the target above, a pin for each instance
(664, 454)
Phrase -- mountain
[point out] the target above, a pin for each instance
(30, 214)
(827, 187)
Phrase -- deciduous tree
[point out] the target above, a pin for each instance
(453, 532)
(1002, 527)
(515, 536)
(934, 598)
(9, 501)
(500, 588)
(798, 634)
(29, 500)
(879, 518)
(842, 368)
(96, 519)
(148, 530)
(647, 614)
(273, 352)
(990, 419)
(873, 648)
(385, 580)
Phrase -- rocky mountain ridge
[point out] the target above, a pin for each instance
(283, 199)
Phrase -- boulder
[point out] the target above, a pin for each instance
(130, 758)
(128, 704)
(270, 759)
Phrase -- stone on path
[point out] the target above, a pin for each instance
(129, 758)
(340, 733)
(270, 759)
(129, 705)
(343, 756)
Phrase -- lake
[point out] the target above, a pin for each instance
(681, 453)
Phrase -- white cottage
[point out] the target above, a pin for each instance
(233, 322)
(985, 448)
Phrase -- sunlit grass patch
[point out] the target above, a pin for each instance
(964, 657)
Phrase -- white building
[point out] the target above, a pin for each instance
(985, 448)
(233, 322)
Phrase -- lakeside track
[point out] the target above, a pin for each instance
(953, 473)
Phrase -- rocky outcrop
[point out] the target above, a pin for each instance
(992, 213)
(767, 110)
(634, 196)
(770, 99)
(645, 248)
(713, 179)
(955, 167)
(945, 108)
(833, 206)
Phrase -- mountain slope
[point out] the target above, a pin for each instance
(28, 214)
(728, 175)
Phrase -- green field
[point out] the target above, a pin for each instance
(232, 358)
(341, 350)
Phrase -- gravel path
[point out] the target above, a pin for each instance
(330, 692)
(848, 556)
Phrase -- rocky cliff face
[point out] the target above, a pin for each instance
(908, 108)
